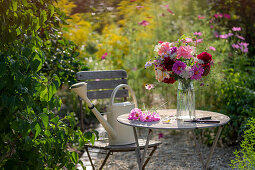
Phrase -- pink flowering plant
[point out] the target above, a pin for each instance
(179, 61)
(137, 114)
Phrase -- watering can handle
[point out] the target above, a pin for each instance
(130, 90)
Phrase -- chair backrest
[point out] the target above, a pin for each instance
(100, 84)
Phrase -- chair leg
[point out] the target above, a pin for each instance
(150, 155)
(86, 148)
(107, 156)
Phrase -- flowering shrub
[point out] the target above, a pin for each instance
(137, 114)
(178, 60)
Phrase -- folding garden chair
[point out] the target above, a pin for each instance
(100, 85)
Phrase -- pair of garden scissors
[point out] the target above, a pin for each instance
(203, 120)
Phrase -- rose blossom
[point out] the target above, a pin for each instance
(185, 52)
(206, 57)
(178, 67)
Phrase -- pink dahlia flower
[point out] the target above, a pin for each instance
(197, 71)
(178, 67)
(185, 52)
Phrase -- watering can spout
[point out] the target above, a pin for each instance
(81, 90)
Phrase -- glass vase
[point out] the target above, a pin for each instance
(185, 100)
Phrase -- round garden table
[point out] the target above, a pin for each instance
(175, 124)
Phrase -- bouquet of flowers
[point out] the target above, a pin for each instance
(179, 61)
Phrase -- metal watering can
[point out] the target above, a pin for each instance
(118, 134)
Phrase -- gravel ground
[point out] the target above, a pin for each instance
(177, 152)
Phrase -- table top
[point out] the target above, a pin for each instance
(176, 124)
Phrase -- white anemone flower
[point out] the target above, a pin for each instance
(186, 73)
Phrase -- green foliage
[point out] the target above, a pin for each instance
(245, 157)
(34, 61)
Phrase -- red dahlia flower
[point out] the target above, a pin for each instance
(206, 57)
(168, 64)
(169, 80)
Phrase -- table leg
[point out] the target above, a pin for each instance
(197, 147)
(213, 147)
(146, 146)
(205, 166)
(137, 150)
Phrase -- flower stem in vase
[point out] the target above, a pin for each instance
(185, 100)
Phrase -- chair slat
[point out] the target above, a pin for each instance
(110, 74)
(106, 94)
(105, 84)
